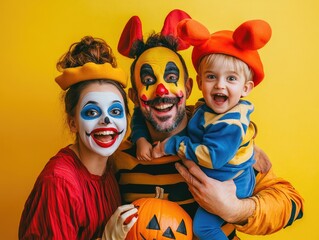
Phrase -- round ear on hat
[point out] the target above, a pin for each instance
(131, 33)
(252, 35)
(170, 23)
(192, 32)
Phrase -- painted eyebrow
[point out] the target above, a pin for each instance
(171, 66)
(146, 67)
(117, 101)
(90, 102)
(93, 102)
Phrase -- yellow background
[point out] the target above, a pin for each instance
(35, 33)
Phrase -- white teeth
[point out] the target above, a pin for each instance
(164, 106)
(104, 133)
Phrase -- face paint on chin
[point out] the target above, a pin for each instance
(102, 122)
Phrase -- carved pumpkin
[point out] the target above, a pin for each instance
(160, 219)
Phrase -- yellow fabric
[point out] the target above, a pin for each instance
(203, 156)
(91, 71)
(273, 197)
(246, 151)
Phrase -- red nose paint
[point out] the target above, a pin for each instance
(161, 90)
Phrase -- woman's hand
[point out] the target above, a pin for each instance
(117, 227)
(215, 196)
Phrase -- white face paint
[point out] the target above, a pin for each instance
(102, 121)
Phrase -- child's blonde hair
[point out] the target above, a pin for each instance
(229, 61)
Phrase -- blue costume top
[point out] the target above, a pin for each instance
(222, 144)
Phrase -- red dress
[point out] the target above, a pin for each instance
(67, 202)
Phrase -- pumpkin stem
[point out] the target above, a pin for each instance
(159, 192)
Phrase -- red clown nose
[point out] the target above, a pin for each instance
(161, 90)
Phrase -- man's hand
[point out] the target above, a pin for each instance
(117, 227)
(215, 196)
(263, 163)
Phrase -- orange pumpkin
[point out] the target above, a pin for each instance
(160, 219)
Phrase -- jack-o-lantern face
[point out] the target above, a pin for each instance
(160, 219)
(169, 232)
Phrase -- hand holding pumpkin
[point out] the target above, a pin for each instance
(160, 219)
(118, 226)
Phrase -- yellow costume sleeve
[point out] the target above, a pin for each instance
(278, 205)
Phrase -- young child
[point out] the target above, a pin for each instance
(220, 134)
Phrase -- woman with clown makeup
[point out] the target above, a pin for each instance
(76, 196)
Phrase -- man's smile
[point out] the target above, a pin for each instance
(162, 104)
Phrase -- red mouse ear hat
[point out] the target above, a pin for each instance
(170, 26)
(132, 32)
(243, 43)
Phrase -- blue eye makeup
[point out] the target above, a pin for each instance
(116, 110)
(90, 112)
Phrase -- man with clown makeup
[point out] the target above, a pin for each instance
(76, 195)
(160, 87)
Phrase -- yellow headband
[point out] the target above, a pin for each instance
(91, 71)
